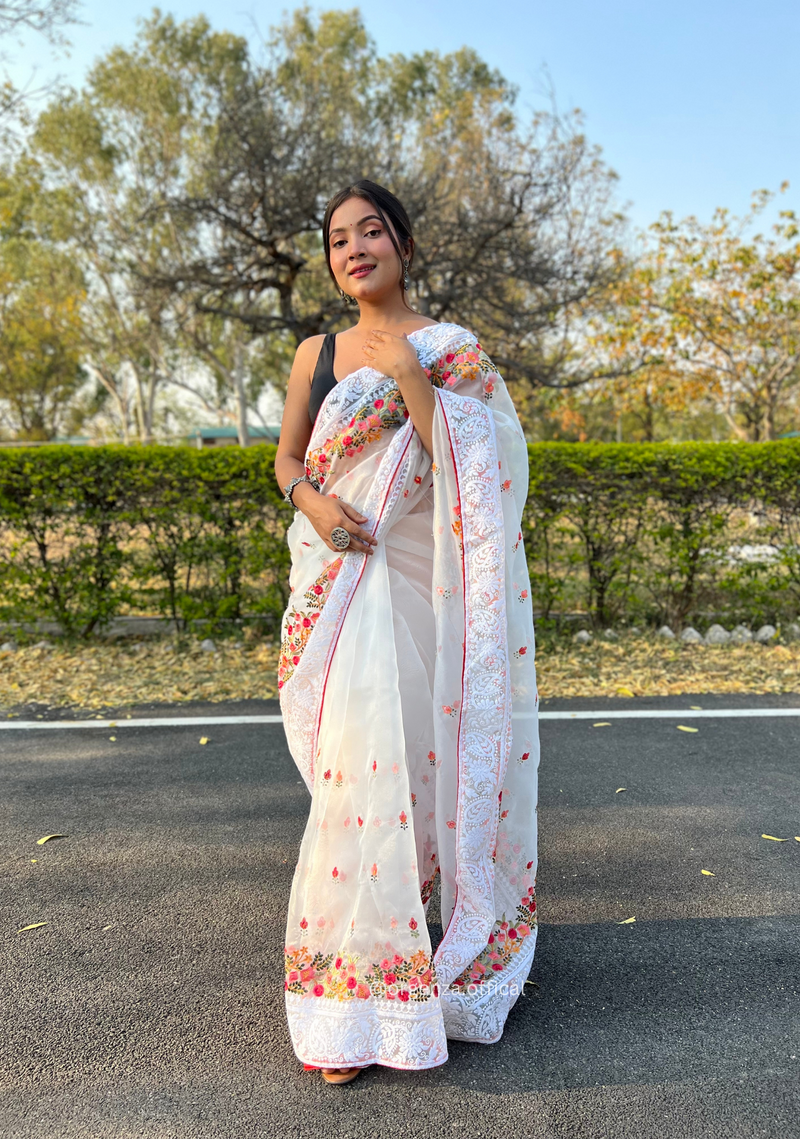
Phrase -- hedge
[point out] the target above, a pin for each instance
(642, 532)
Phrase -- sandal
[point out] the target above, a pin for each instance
(336, 1077)
(340, 1077)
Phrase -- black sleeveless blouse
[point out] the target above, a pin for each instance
(323, 379)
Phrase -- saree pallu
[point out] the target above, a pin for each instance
(408, 692)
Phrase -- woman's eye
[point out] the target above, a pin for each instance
(370, 232)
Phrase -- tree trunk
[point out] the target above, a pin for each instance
(241, 398)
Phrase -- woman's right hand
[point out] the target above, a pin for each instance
(325, 511)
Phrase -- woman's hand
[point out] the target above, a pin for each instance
(392, 355)
(395, 357)
(325, 511)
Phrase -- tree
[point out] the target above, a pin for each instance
(711, 315)
(41, 299)
(103, 156)
(514, 223)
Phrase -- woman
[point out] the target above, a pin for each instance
(406, 676)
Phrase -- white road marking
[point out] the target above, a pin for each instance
(211, 721)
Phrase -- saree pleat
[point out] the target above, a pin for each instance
(408, 689)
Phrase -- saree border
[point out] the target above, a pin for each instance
(485, 651)
(480, 1018)
(376, 1035)
(302, 697)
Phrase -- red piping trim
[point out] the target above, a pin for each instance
(349, 602)
(459, 811)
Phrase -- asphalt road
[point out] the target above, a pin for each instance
(151, 1004)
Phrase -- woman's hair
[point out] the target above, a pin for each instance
(389, 209)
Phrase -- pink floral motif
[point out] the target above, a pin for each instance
(299, 622)
(365, 427)
(505, 941)
(344, 976)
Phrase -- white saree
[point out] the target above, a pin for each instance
(408, 691)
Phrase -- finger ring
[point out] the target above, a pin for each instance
(340, 537)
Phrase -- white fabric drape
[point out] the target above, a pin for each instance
(408, 689)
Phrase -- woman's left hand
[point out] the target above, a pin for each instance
(392, 355)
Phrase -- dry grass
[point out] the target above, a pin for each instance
(650, 667)
(113, 675)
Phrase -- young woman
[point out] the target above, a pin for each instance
(406, 675)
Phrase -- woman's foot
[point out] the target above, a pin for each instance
(339, 1075)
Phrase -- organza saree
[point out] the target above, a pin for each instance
(408, 692)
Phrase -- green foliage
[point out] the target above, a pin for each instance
(654, 532)
(87, 533)
(645, 532)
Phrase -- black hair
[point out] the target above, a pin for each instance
(389, 209)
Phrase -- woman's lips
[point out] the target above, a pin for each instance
(362, 271)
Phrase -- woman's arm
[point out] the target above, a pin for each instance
(323, 511)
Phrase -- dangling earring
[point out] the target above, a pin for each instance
(405, 274)
(348, 300)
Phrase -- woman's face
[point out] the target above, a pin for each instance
(363, 258)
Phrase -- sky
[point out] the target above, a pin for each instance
(695, 104)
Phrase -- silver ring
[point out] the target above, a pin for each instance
(340, 537)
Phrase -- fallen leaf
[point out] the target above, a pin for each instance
(797, 838)
(624, 691)
(47, 838)
(620, 789)
(602, 724)
(105, 927)
(204, 739)
(710, 873)
(112, 737)
(773, 838)
(34, 925)
(534, 983)
(683, 728)
(112, 723)
(34, 860)
(625, 921)
(695, 708)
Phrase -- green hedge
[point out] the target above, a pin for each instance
(649, 531)
(89, 532)
(640, 532)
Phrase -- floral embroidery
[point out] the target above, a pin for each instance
(366, 426)
(468, 363)
(299, 623)
(427, 886)
(340, 976)
(505, 942)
